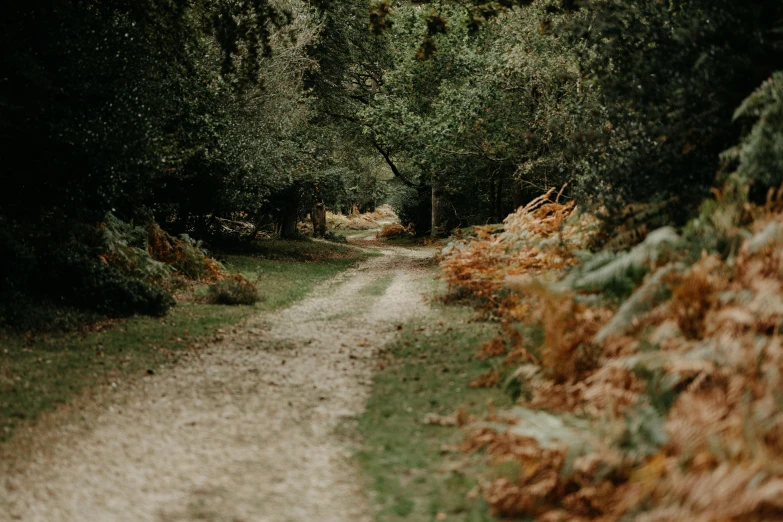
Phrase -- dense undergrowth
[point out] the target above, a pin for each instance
(239, 118)
(355, 221)
(654, 393)
(117, 269)
(111, 270)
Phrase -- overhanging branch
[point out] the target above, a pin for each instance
(393, 167)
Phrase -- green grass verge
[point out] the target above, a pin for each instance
(281, 283)
(37, 373)
(304, 250)
(427, 371)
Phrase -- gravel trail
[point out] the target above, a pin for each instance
(242, 431)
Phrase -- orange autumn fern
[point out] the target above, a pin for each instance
(150, 253)
(488, 379)
(535, 239)
(184, 254)
(495, 347)
(679, 413)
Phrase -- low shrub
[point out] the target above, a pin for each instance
(392, 230)
(335, 238)
(414, 207)
(47, 281)
(233, 290)
(184, 254)
(72, 276)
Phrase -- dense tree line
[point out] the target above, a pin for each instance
(178, 112)
(631, 103)
(192, 113)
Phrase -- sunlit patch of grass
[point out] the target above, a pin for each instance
(40, 372)
(426, 371)
(281, 283)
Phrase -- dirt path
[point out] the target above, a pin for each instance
(244, 431)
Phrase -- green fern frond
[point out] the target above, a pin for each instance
(771, 234)
(760, 153)
(653, 291)
(127, 246)
(605, 271)
(769, 93)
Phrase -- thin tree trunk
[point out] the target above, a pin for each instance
(438, 225)
(499, 201)
(493, 214)
(517, 194)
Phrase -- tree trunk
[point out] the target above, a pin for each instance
(493, 214)
(517, 194)
(422, 218)
(288, 220)
(319, 220)
(438, 224)
(499, 201)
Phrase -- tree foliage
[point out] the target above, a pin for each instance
(207, 114)
(191, 110)
(630, 102)
(760, 153)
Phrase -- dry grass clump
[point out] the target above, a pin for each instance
(495, 347)
(662, 404)
(233, 290)
(392, 231)
(384, 212)
(357, 221)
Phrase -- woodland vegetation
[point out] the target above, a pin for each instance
(135, 135)
(126, 125)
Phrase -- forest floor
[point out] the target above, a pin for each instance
(245, 429)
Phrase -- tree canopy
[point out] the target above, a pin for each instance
(457, 112)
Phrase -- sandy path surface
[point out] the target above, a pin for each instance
(241, 431)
